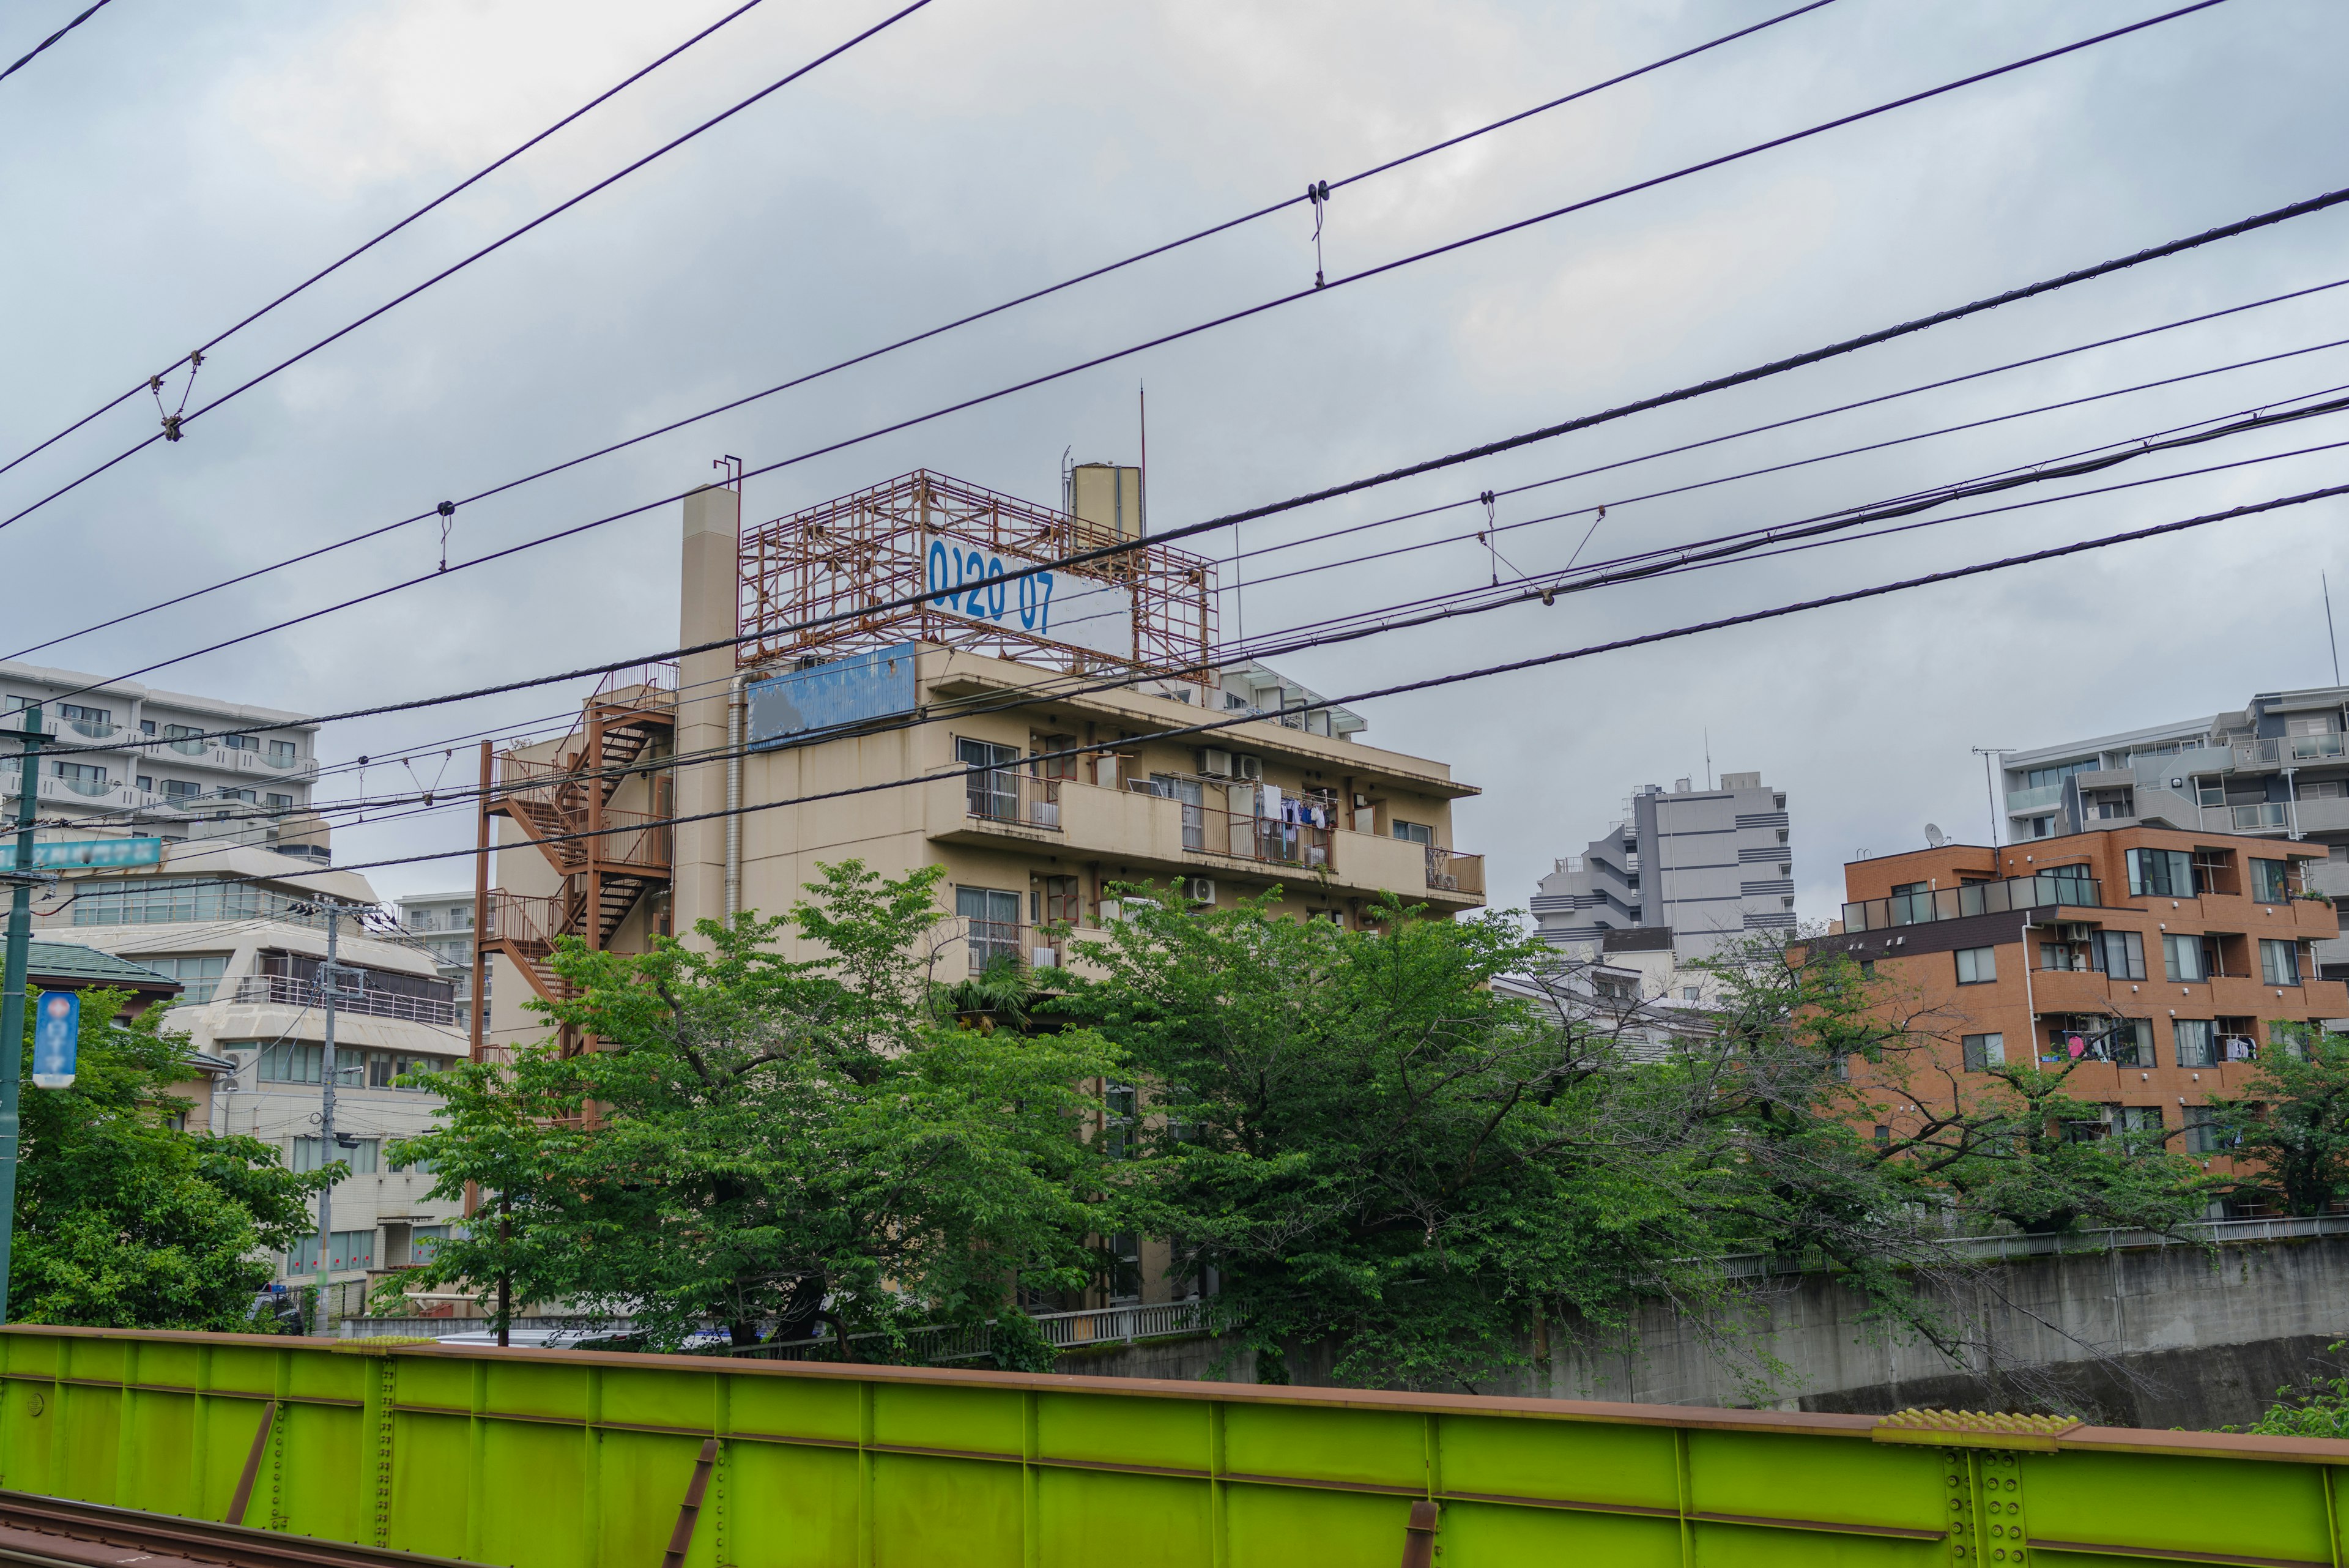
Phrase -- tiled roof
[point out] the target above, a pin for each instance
(90, 966)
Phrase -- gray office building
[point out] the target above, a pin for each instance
(1707, 866)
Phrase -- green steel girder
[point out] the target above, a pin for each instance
(574, 1459)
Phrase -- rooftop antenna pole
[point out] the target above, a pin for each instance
(1990, 788)
(1142, 481)
(1708, 758)
(2329, 635)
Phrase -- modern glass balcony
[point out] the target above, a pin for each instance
(1972, 899)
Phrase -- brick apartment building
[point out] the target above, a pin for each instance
(2162, 959)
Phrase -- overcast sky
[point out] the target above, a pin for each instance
(165, 169)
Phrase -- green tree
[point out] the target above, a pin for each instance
(1371, 1146)
(768, 1141)
(123, 1222)
(2318, 1409)
(2291, 1123)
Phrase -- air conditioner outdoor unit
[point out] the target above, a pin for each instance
(1110, 910)
(1199, 890)
(1044, 958)
(1214, 764)
(1248, 768)
(1361, 803)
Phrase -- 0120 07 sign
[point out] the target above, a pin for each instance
(1059, 606)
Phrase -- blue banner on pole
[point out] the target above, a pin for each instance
(56, 1027)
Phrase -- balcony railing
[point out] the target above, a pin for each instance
(1014, 796)
(96, 787)
(93, 729)
(1453, 872)
(2046, 797)
(285, 990)
(1972, 899)
(2252, 818)
(1033, 947)
(2307, 748)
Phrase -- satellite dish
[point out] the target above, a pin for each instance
(1934, 836)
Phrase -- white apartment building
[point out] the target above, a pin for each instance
(2278, 766)
(442, 924)
(124, 757)
(249, 954)
(1707, 866)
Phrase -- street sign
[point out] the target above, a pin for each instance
(97, 852)
(55, 1033)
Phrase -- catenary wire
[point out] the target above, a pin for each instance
(498, 244)
(1242, 313)
(53, 37)
(1430, 465)
(1445, 506)
(1474, 600)
(958, 322)
(347, 257)
(1429, 683)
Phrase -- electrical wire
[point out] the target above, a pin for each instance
(53, 37)
(871, 354)
(1350, 487)
(1226, 319)
(1429, 683)
(174, 428)
(347, 257)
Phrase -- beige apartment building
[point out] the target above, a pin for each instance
(1021, 736)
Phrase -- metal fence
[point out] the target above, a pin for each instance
(567, 1459)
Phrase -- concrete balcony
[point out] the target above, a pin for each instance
(2330, 815)
(1170, 838)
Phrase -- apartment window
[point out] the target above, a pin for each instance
(352, 1249)
(2197, 1045)
(1417, 831)
(385, 1068)
(2131, 1042)
(2042, 827)
(241, 742)
(181, 789)
(81, 773)
(2120, 954)
(198, 973)
(994, 921)
(2203, 1135)
(292, 1062)
(1688, 994)
(1121, 1265)
(147, 728)
(2271, 882)
(2160, 874)
(146, 783)
(2039, 778)
(180, 731)
(246, 795)
(87, 715)
(993, 794)
(1977, 966)
(2279, 962)
(359, 1155)
(1883, 1133)
(1120, 1106)
(2137, 1118)
(281, 802)
(1983, 1052)
(2181, 958)
(1064, 900)
(282, 754)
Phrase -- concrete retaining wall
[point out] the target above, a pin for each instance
(2146, 1336)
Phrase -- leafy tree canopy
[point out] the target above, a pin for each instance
(2291, 1123)
(123, 1222)
(768, 1141)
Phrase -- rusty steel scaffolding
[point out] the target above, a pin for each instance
(873, 547)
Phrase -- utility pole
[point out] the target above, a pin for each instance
(12, 1001)
(326, 1149)
(1989, 786)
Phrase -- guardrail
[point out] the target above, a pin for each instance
(567, 1458)
(286, 991)
(2072, 1243)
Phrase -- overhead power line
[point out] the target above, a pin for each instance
(52, 38)
(1430, 465)
(175, 427)
(1430, 683)
(1914, 390)
(924, 335)
(350, 256)
(1316, 289)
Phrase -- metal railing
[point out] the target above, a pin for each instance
(1453, 872)
(1014, 796)
(1033, 947)
(2269, 814)
(1972, 899)
(282, 990)
(2069, 1243)
(1061, 1330)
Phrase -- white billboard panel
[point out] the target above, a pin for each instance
(1083, 612)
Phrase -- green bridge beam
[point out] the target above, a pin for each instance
(576, 1459)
